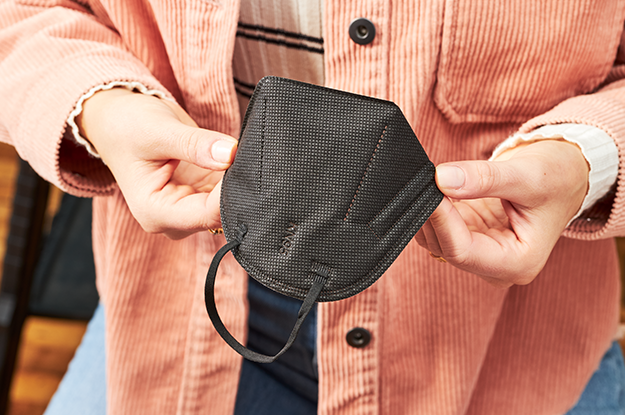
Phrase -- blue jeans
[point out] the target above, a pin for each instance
(605, 393)
(83, 389)
(291, 381)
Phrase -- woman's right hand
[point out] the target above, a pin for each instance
(168, 169)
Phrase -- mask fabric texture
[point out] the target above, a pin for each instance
(326, 190)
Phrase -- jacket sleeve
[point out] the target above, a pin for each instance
(51, 53)
(604, 109)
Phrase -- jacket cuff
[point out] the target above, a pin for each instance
(604, 110)
(71, 120)
(596, 145)
(42, 133)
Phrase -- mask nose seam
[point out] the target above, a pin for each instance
(262, 147)
(375, 150)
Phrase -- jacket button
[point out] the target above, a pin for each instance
(358, 337)
(362, 31)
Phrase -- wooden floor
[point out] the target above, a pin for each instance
(47, 347)
(47, 344)
(8, 173)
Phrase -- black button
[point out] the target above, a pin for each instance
(362, 31)
(358, 337)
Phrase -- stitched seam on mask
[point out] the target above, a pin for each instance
(338, 293)
(367, 279)
(395, 223)
(262, 146)
(375, 150)
(269, 280)
(391, 201)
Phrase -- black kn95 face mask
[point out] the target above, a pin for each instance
(326, 190)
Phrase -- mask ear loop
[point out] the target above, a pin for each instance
(319, 281)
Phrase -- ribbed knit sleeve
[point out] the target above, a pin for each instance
(604, 109)
(50, 55)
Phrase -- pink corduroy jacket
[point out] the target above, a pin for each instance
(466, 74)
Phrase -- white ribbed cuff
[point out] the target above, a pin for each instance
(597, 147)
(71, 120)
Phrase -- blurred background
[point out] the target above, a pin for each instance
(47, 284)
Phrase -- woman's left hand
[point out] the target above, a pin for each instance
(501, 219)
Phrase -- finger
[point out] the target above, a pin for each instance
(204, 148)
(481, 179)
(451, 234)
(420, 238)
(155, 129)
(482, 214)
(432, 241)
(492, 256)
(179, 211)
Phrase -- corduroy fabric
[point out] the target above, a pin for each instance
(443, 341)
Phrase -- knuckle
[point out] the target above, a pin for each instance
(488, 176)
(497, 283)
(148, 219)
(462, 260)
(527, 275)
(188, 141)
(152, 226)
(191, 144)
(152, 229)
(523, 279)
(176, 235)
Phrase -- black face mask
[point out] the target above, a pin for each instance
(326, 190)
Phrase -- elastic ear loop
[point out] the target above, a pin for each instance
(209, 297)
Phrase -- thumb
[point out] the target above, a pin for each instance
(121, 123)
(480, 179)
(204, 148)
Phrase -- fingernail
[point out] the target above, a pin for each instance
(222, 151)
(450, 177)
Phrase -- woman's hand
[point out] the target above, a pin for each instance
(167, 168)
(502, 218)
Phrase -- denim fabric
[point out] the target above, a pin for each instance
(83, 389)
(290, 385)
(261, 394)
(605, 392)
